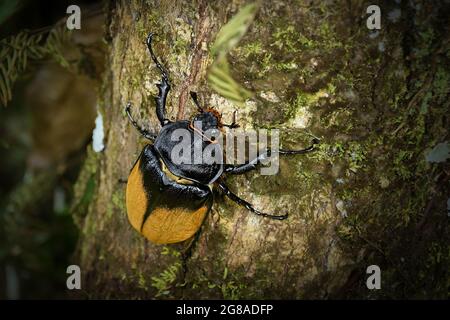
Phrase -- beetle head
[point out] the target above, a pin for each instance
(206, 119)
(207, 124)
(209, 118)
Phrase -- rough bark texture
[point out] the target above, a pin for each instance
(366, 197)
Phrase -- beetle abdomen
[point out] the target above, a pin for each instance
(163, 209)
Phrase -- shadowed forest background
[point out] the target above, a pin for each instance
(376, 192)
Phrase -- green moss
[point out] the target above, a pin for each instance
(440, 84)
(304, 100)
(356, 156)
(169, 251)
(232, 290)
(288, 39)
(85, 187)
(166, 280)
(142, 283)
(118, 199)
(251, 49)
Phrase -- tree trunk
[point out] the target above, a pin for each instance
(314, 69)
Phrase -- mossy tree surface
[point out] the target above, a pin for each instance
(378, 100)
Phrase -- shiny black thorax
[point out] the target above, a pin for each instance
(183, 149)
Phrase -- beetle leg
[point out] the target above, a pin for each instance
(248, 205)
(255, 162)
(229, 168)
(234, 124)
(302, 151)
(186, 253)
(163, 87)
(144, 132)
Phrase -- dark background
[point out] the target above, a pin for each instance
(44, 131)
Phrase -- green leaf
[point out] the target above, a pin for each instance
(231, 33)
(225, 273)
(222, 82)
(227, 38)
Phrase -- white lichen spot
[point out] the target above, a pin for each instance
(301, 119)
(227, 108)
(314, 62)
(183, 30)
(384, 182)
(303, 115)
(149, 84)
(340, 206)
(381, 46)
(98, 134)
(253, 222)
(269, 96)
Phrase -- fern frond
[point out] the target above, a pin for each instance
(18, 50)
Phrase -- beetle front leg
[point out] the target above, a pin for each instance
(255, 162)
(144, 132)
(163, 87)
(302, 151)
(248, 205)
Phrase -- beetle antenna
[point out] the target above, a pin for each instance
(144, 132)
(195, 99)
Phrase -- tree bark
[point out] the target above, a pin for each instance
(314, 68)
